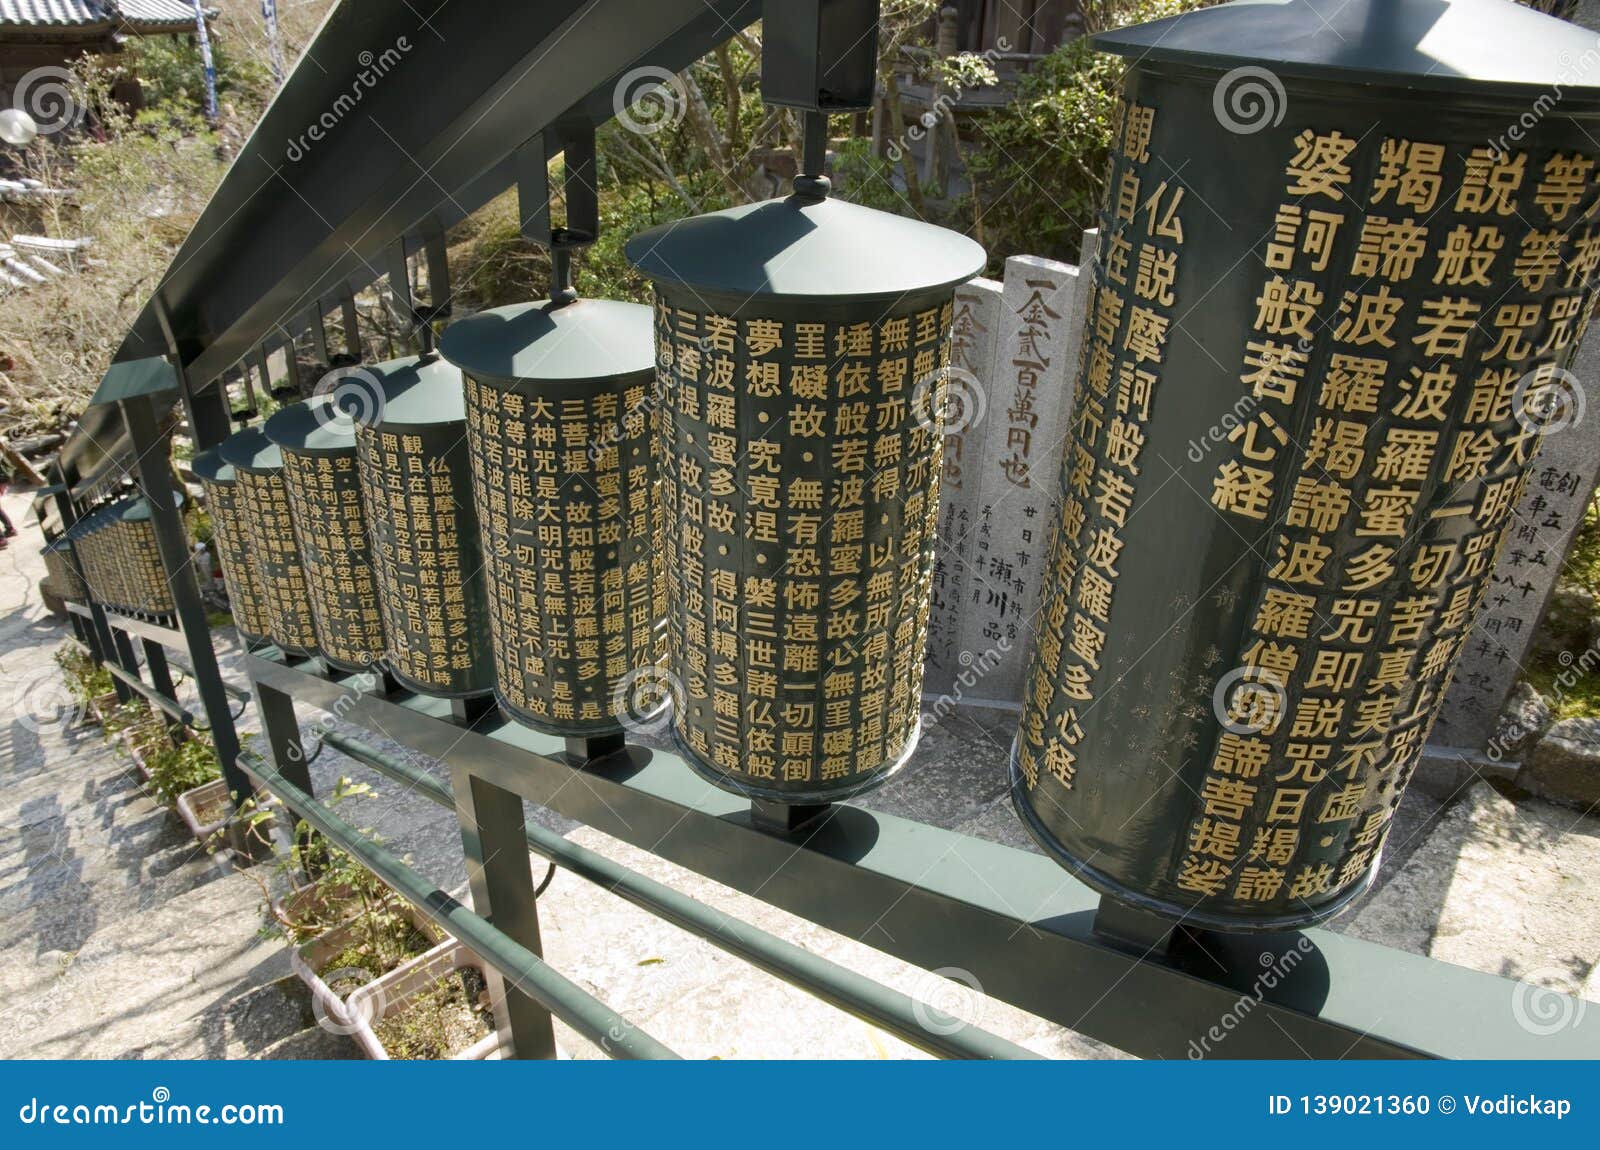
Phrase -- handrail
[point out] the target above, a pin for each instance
(172, 707)
(895, 1012)
(525, 970)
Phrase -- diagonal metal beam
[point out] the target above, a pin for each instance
(396, 113)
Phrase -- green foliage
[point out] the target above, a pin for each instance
(182, 766)
(86, 680)
(170, 70)
(1039, 164)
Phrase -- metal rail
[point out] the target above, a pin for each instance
(889, 1009)
(1014, 920)
(527, 971)
(174, 710)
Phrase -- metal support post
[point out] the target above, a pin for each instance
(494, 837)
(155, 478)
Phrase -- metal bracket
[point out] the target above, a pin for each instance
(574, 139)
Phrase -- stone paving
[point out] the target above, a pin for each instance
(121, 938)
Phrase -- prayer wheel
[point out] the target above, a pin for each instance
(60, 571)
(263, 506)
(145, 588)
(1340, 271)
(802, 345)
(318, 442)
(240, 576)
(561, 402)
(416, 487)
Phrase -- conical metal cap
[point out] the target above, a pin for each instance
(805, 247)
(1448, 45)
(585, 339)
(250, 450)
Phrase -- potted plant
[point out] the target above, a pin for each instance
(89, 683)
(345, 926)
(434, 1007)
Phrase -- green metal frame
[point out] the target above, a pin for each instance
(1030, 934)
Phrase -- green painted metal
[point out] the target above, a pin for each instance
(816, 249)
(269, 545)
(940, 899)
(922, 1025)
(1313, 378)
(132, 379)
(1457, 46)
(416, 483)
(317, 442)
(560, 411)
(587, 1015)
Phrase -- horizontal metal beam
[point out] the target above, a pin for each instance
(145, 629)
(175, 710)
(580, 1010)
(394, 118)
(918, 1023)
(1015, 921)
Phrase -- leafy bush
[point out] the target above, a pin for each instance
(1038, 167)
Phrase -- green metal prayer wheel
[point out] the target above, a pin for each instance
(416, 485)
(93, 555)
(60, 571)
(320, 471)
(561, 402)
(1341, 268)
(272, 547)
(145, 588)
(240, 576)
(802, 346)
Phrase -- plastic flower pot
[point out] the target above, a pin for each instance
(206, 809)
(310, 959)
(402, 989)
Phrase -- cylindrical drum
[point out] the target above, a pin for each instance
(60, 573)
(802, 346)
(91, 555)
(269, 532)
(1315, 370)
(560, 413)
(146, 587)
(246, 596)
(416, 484)
(318, 442)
